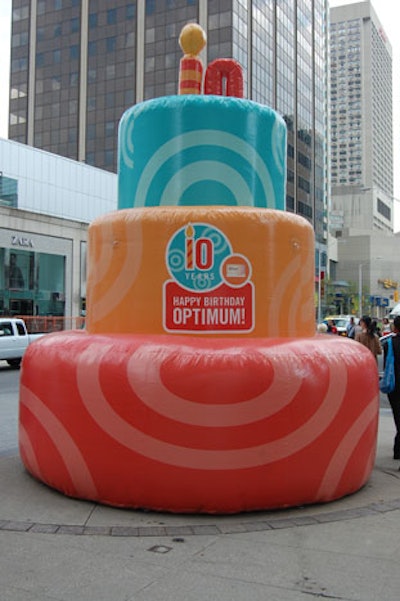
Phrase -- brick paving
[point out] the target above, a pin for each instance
(203, 529)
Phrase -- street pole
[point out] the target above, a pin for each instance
(360, 289)
(319, 287)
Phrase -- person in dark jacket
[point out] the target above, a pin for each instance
(394, 397)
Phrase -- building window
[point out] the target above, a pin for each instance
(74, 52)
(384, 210)
(56, 83)
(40, 60)
(111, 44)
(108, 157)
(8, 191)
(92, 20)
(129, 39)
(110, 128)
(130, 11)
(21, 13)
(19, 64)
(110, 100)
(72, 134)
(91, 131)
(289, 203)
(112, 16)
(74, 25)
(304, 209)
(110, 71)
(303, 184)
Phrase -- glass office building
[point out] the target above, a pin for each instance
(76, 65)
(361, 98)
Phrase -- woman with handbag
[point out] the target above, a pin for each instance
(394, 396)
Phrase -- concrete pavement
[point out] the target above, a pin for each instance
(59, 549)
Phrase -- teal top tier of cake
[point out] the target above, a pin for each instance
(196, 150)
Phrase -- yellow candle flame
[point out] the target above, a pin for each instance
(192, 39)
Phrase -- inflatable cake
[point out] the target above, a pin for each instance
(199, 384)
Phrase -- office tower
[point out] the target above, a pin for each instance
(78, 64)
(361, 120)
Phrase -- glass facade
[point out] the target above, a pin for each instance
(346, 94)
(263, 49)
(113, 54)
(57, 78)
(8, 191)
(164, 20)
(19, 71)
(110, 77)
(31, 283)
(320, 126)
(220, 25)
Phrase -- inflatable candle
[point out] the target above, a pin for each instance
(199, 385)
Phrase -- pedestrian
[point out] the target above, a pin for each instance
(368, 337)
(332, 329)
(394, 397)
(351, 328)
(358, 328)
(386, 329)
(376, 328)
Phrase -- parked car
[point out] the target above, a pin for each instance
(395, 311)
(341, 322)
(14, 340)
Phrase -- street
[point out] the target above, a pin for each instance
(9, 386)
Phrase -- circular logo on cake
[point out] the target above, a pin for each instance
(195, 256)
(236, 270)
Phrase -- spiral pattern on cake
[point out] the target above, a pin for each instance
(177, 418)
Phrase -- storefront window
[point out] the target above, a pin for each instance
(16, 279)
(31, 283)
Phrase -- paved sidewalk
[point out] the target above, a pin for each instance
(58, 549)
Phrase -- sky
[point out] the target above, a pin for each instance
(388, 12)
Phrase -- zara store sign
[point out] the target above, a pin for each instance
(21, 241)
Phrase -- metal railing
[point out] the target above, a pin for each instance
(39, 324)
